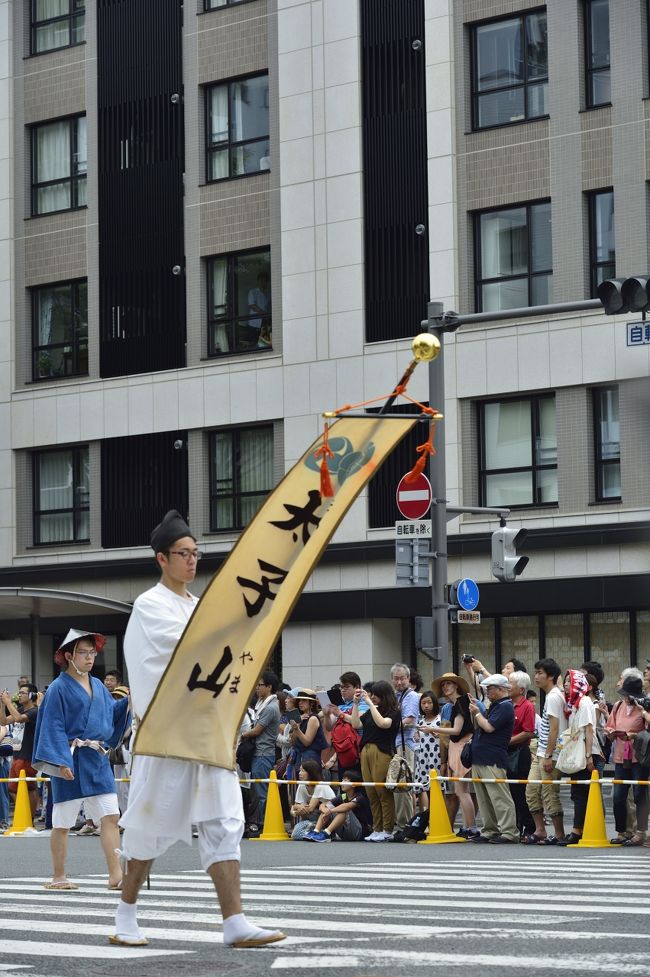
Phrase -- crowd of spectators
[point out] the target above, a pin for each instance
(479, 726)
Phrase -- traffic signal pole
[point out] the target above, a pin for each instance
(438, 479)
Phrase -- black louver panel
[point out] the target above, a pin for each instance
(142, 478)
(395, 167)
(140, 163)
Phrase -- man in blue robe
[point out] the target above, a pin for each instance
(77, 722)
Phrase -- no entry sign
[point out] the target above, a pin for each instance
(414, 498)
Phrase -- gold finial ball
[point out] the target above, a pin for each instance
(425, 347)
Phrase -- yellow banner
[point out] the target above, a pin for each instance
(200, 702)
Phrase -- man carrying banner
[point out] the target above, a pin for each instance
(167, 796)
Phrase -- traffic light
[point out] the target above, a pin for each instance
(620, 295)
(506, 563)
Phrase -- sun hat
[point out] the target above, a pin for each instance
(436, 685)
(120, 692)
(631, 686)
(305, 694)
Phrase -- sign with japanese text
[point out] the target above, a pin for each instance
(468, 617)
(200, 702)
(638, 333)
(409, 527)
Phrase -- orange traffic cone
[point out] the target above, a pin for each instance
(594, 832)
(22, 823)
(440, 830)
(273, 829)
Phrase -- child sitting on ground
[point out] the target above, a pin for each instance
(310, 795)
(347, 816)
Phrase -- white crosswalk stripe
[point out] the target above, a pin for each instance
(374, 925)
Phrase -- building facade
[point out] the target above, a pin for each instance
(224, 220)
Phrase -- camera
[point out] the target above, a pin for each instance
(643, 701)
(466, 659)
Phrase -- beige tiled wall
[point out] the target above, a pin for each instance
(55, 84)
(235, 215)
(232, 41)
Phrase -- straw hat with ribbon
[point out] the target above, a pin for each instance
(437, 683)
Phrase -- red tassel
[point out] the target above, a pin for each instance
(326, 490)
(424, 450)
(325, 452)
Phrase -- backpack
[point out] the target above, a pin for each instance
(345, 741)
(642, 748)
(416, 829)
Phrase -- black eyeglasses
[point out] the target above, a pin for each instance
(187, 555)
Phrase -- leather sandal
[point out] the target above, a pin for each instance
(636, 841)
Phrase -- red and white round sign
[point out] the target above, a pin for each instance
(414, 498)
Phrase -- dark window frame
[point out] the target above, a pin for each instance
(223, 6)
(534, 402)
(601, 463)
(74, 179)
(594, 264)
(77, 507)
(228, 144)
(589, 71)
(236, 495)
(479, 281)
(524, 85)
(72, 17)
(76, 342)
(231, 320)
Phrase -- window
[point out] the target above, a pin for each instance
(510, 70)
(59, 161)
(514, 258)
(597, 52)
(241, 475)
(607, 444)
(215, 4)
(237, 137)
(61, 494)
(239, 303)
(602, 250)
(518, 450)
(60, 330)
(56, 24)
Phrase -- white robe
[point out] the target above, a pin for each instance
(166, 796)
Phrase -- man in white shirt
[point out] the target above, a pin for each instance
(547, 796)
(167, 796)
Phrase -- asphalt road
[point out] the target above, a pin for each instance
(371, 910)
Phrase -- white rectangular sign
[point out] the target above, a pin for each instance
(413, 528)
(638, 333)
(468, 617)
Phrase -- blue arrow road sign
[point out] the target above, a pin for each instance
(467, 594)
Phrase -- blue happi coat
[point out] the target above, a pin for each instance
(68, 713)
